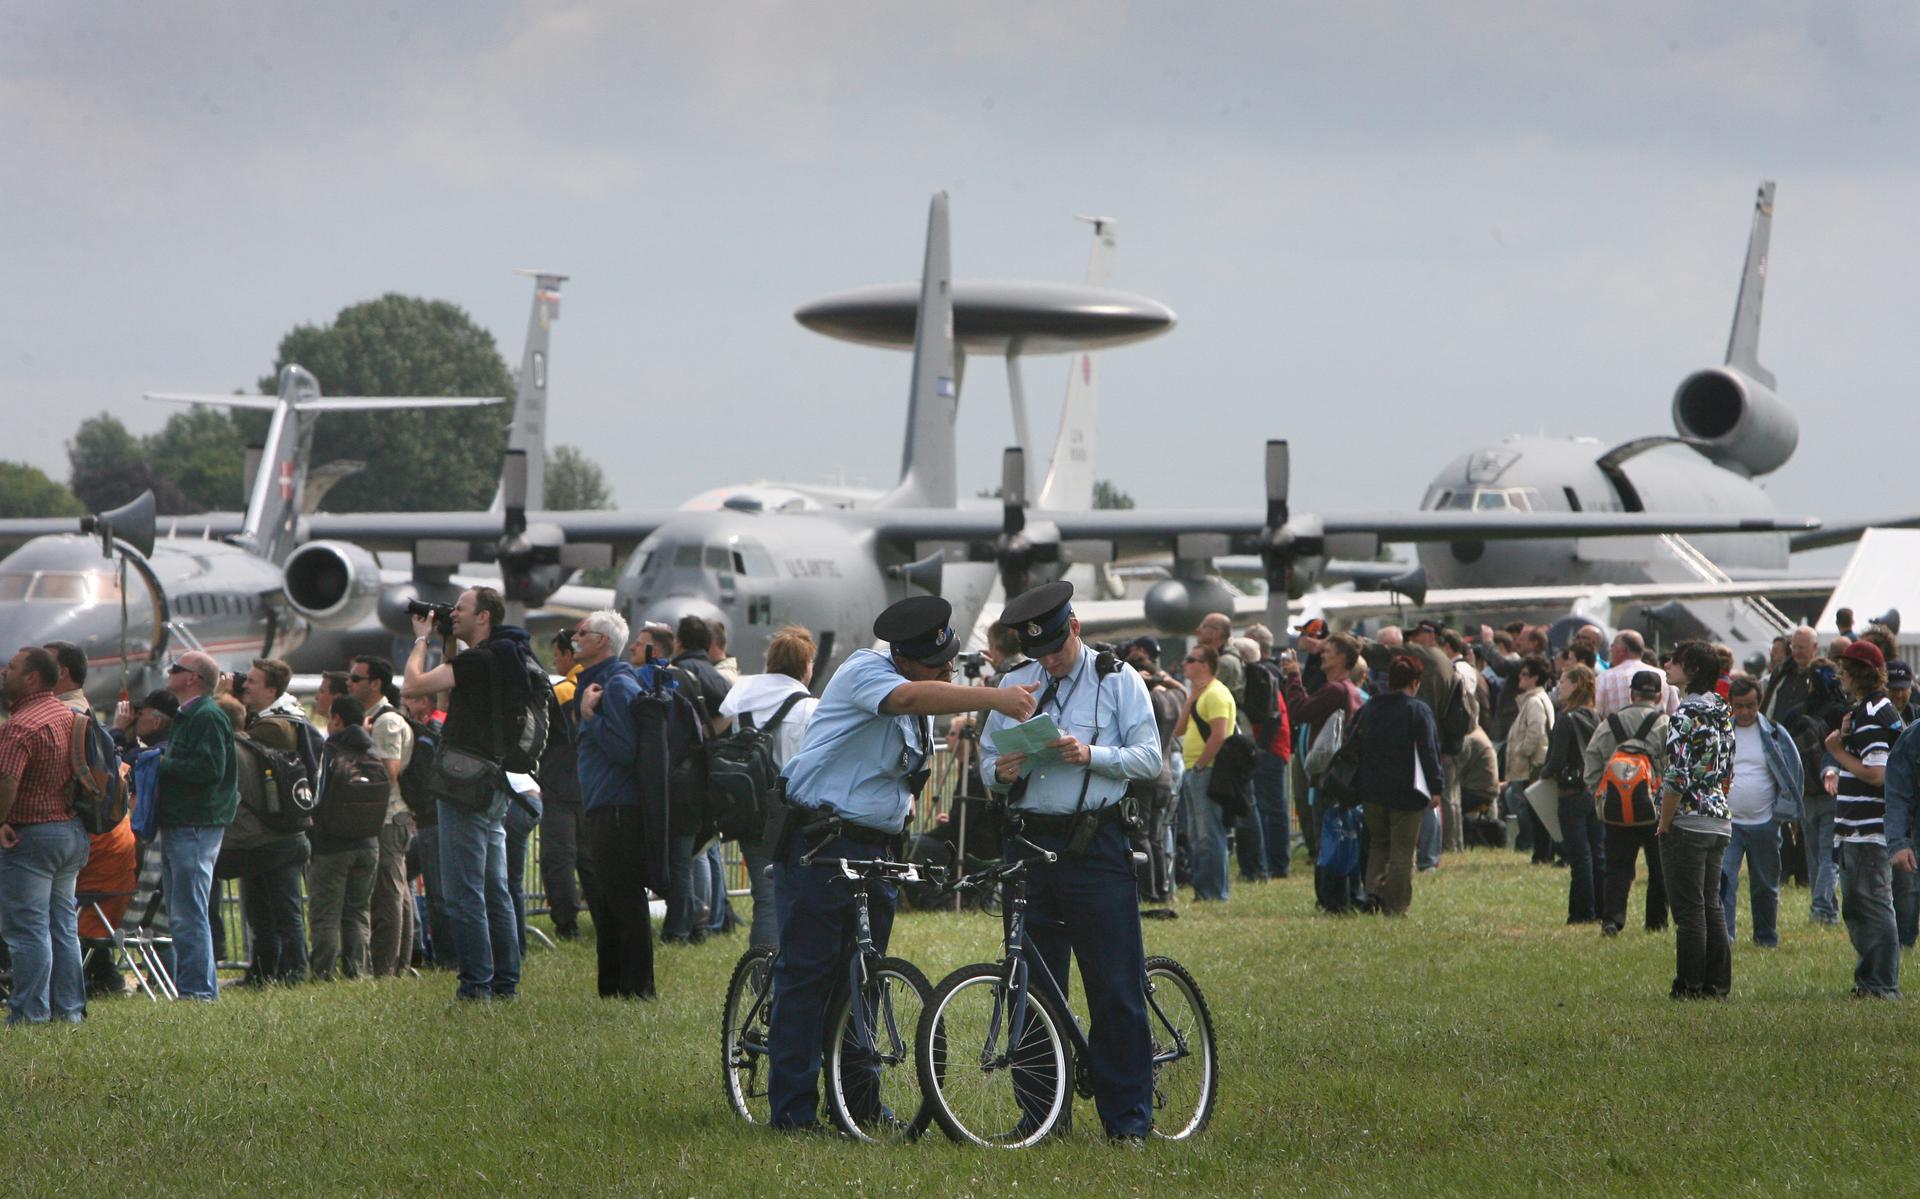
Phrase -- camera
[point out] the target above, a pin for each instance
(441, 614)
(974, 664)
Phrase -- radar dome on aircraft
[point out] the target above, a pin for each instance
(993, 318)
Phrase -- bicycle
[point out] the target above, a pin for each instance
(867, 1046)
(1014, 1091)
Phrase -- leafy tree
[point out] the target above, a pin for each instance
(113, 485)
(101, 446)
(575, 482)
(26, 491)
(402, 345)
(1106, 495)
(200, 450)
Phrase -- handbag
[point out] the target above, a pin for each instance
(1340, 843)
(1342, 781)
(1326, 743)
(463, 779)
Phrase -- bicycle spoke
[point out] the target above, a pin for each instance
(1007, 1093)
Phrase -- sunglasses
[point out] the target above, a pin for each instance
(176, 668)
(359, 678)
(1193, 658)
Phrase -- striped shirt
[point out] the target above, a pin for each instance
(1860, 807)
(1613, 692)
(36, 747)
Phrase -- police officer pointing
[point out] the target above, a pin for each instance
(1086, 904)
(866, 753)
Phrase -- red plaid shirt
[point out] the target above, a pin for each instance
(36, 747)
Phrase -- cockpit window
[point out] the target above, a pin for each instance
(686, 555)
(1486, 499)
(60, 587)
(719, 558)
(750, 558)
(14, 586)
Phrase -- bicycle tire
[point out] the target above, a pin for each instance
(745, 1064)
(975, 1092)
(1186, 1057)
(896, 1108)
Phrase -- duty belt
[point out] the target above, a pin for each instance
(819, 818)
(1047, 824)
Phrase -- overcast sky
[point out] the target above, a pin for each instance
(1390, 231)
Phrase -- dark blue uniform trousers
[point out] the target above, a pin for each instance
(815, 907)
(1089, 907)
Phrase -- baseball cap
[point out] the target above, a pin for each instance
(1313, 628)
(1899, 674)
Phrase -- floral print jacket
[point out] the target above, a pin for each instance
(1700, 755)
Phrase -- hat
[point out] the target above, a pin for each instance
(1647, 682)
(1149, 645)
(1899, 674)
(916, 628)
(1865, 651)
(163, 701)
(1042, 616)
(1313, 628)
(1425, 626)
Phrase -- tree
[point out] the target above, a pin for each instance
(575, 482)
(416, 461)
(26, 491)
(1106, 495)
(201, 452)
(101, 447)
(111, 486)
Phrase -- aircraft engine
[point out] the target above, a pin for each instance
(333, 584)
(1176, 606)
(1736, 421)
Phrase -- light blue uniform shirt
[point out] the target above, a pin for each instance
(1111, 714)
(855, 759)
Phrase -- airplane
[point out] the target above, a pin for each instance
(832, 570)
(230, 597)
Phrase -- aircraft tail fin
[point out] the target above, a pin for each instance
(529, 429)
(928, 476)
(1069, 483)
(1743, 347)
(275, 496)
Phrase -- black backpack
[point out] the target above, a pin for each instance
(287, 795)
(741, 773)
(98, 789)
(310, 742)
(1263, 699)
(665, 715)
(522, 712)
(414, 780)
(353, 797)
(1456, 721)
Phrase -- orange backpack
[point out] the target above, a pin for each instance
(1628, 792)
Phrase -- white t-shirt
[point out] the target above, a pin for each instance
(1751, 798)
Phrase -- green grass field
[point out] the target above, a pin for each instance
(1476, 1046)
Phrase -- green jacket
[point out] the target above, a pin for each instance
(199, 773)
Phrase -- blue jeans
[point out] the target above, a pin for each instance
(1271, 776)
(1760, 844)
(1427, 847)
(43, 933)
(473, 866)
(1821, 871)
(187, 853)
(519, 825)
(1866, 886)
(1250, 842)
(1584, 841)
(1906, 905)
(1206, 835)
(436, 926)
(681, 899)
(720, 912)
(766, 923)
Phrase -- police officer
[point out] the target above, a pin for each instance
(1085, 904)
(867, 748)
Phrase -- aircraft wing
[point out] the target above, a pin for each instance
(1827, 534)
(18, 532)
(623, 530)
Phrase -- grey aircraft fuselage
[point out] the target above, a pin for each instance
(60, 588)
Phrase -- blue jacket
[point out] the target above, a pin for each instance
(1394, 729)
(1783, 768)
(608, 744)
(1903, 790)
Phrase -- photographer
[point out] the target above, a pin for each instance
(1169, 698)
(484, 681)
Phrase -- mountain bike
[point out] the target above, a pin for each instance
(1001, 1055)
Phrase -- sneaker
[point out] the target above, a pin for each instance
(1609, 929)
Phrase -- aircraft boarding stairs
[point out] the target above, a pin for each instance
(1703, 568)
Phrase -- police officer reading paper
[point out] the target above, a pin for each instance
(867, 750)
(1086, 903)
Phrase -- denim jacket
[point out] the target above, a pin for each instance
(1903, 779)
(1783, 768)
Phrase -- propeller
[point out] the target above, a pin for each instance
(1284, 541)
(534, 559)
(1018, 548)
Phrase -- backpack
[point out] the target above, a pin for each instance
(287, 794)
(310, 743)
(523, 715)
(1456, 721)
(1263, 703)
(98, 789)
(414, 780)
(353, 797)
(741, 773)
(1626, 795)
(665, 715)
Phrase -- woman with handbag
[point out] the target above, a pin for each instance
(1398, 779)
(1324, 718)
(1581, 833)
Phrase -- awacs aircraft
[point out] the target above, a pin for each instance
(832, 570)
(228, 597)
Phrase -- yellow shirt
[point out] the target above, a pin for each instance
(563, 690)
(1216, 703)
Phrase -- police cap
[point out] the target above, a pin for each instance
(916, 628)
(1042, 616)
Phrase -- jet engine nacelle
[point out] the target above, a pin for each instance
(1736, 421)
(334, 584)
(1177, 606)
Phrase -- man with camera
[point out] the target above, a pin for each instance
(867, 752)
(1084, 904)
(486, 693)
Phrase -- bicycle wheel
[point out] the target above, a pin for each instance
(1186, 1061)
(744, 1062)
(873, 1088)
(982, 1088)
